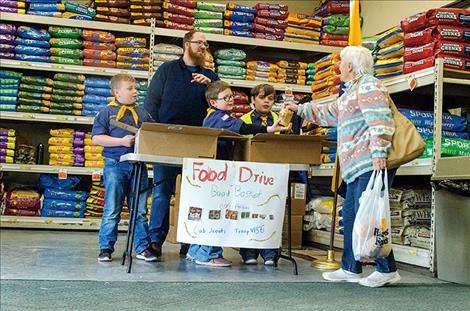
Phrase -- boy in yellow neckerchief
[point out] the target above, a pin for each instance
(117, 175)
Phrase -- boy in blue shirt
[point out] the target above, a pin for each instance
(117, 176)
(220, 98)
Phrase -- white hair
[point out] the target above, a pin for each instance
(359, 57)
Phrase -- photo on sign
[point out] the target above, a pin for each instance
(232, 215)
(254, 216)
(214, 214)
(271, 217)
(262, 216)
(195, 213)
(245, 215)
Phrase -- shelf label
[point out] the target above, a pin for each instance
(63, 173)
(414, 253)
(310, 172)
(411, 82)
(96, 176)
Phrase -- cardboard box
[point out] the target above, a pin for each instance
(298, 199)
(293, 149)
(296, 223)
(180, 141)
(174, 209)
(296, 239)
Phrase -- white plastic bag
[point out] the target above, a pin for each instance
(371, 237)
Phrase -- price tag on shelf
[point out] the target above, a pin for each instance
(56, 66)
(125, 72)
(309, 172)
(414, 253)
(96, 176)
(63, 173)
(99, 70)
(411, 82)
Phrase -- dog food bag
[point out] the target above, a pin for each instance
(115, 3)
(393, 51)
(30, 95)
(421, 64)
(69, 85)
(94, 45)
(239, 16)
(69, 53)
(33, 102)
(230, 54)
(388, 65)
(240, 8)
(208, 23)
(99, 63)
(414, 23)
(68, 43)
(452, 33)
(65, 32)
(8, 29)
(99, 36)
(165, 48)
(419, 37)
(270, 22)
(32, 33)
(31, 50)
(35, 88)
(287, 64)
(76, 16)
(111, 19)
(418, 52)
(97, 82)
(99, 54)
(36, 80)
(66, 60)
(455, 61)
(177, 9)
(68, 77)
(272, 14)
(390, 37)
(31, 42)
(445, 16)
(79, 9)
(333, 7)
(119, 12)
(452, 47)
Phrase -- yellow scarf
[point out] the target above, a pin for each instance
(123, 109)
(264, 120)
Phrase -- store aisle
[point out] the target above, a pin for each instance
(66, 255)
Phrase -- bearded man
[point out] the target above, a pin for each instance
(176, 96)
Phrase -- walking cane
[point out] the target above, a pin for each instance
(329, 263)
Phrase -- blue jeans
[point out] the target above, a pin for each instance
(266, 254)
(117, 180)
(350, 208)
(204, 252)
(161, 195)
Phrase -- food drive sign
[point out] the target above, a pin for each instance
(234, 204)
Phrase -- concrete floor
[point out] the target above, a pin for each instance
(67, 255)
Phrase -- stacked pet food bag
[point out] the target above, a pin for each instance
(66, 147)
(241, 104)
(438, 33)
(113, 11)
(99, 48)
(32, 44)
(388, 54)
(52, 8)
(7, 145)
(310, 73)
(163, 52)
(10, 6)
(410, 216)
(60, 197)
(35, 94)
(22, 202)
(335, 30)
(93, 156)
(303, 28)
(95, 203)
(319, 213)
(97, 93)
(231, 64)
(7, 40)
(142, 11)
(66, 45)
(142, 88)
(270, 21)
(132, 53)
(9, 85)
(179, 14)
(291, 72)
(209, 17)
(67, 94)
(326, 80)
(238, 20)
(261, 71)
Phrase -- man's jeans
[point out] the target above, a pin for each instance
(350, 208)
(117, 180)
(161, 195)
(266, 254)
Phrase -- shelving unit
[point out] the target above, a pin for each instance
(44, 117)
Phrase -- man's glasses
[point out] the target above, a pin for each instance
(200, 42)
(227, 98)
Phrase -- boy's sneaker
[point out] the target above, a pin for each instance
(216, 262)
(250, 261)
(156, 249)
(147, 256)
(341, 275)
(269, 262)
(379, 279)
(105, 255)
(184, 249)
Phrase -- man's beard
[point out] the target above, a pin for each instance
(197, 57)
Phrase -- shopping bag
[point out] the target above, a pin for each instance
(371, 237)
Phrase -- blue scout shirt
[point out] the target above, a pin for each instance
(101, 126)
(173, 99)
(222, 120)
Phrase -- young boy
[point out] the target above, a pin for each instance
(117, 175)
(262, 97)
(220, 98)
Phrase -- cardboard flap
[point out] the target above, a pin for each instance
(296, 138)
(186, 129)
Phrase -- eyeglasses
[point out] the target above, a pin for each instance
(200, 42)
(227, 98)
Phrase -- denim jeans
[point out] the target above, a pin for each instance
(204, 252)
(350, 208)
(161, 195)
(266, 254)
(117, 180)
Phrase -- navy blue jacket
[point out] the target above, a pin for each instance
(172, 98)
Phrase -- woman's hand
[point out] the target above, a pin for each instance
(379, 163)
(278, 128)
(291, 106)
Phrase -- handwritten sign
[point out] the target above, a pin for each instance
(233, 204)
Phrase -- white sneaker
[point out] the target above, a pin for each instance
(379, 279)
(341, 275)
(250, 261)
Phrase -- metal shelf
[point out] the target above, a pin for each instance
(28, 222)
(407, 254)
(455, 168)
(277, 86)
(44, 117)
(44, 20)
(19, 64)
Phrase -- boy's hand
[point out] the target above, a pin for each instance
(277, 128)
(200, 78)
(291, 106)
(128, 140)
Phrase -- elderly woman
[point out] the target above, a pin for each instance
(365, 128)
